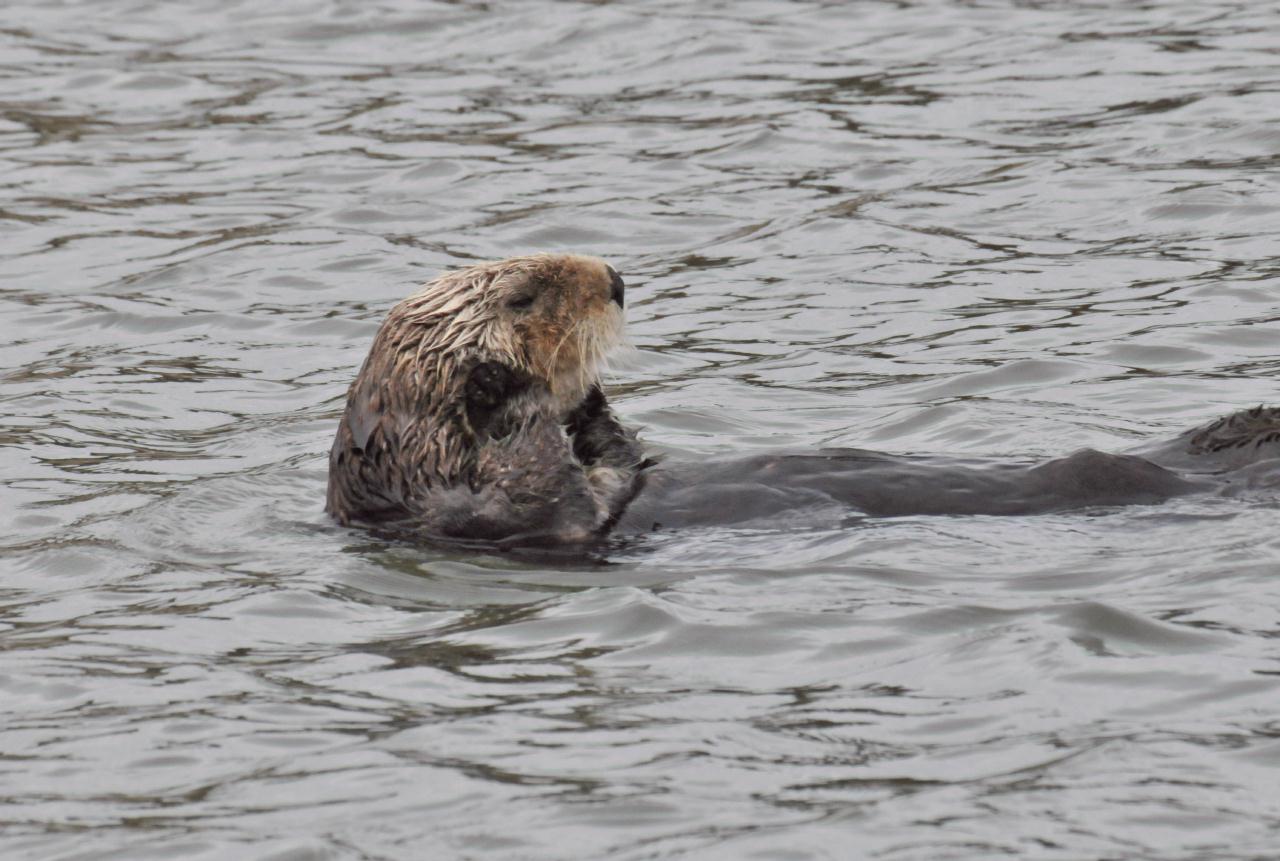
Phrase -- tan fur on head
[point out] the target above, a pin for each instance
(560, 338)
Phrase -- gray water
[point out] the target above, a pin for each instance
(965, 228)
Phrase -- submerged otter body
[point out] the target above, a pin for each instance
(478, 415)
(763, 487)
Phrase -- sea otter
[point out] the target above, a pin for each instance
(479, 415)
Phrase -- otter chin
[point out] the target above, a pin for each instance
(478, 412)
(478, 415)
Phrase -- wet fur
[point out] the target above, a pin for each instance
(458, 423)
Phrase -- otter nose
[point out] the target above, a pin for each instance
(616, 287)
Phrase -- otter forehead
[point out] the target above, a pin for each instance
(572, 284)
(486, 284)
(570, 270)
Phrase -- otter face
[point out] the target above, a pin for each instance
(551, 319)
(565, 316)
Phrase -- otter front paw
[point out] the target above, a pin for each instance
(598, 437)
(591, 408)
(490, 387)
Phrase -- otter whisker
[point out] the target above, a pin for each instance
(583, 364)
(552, 361)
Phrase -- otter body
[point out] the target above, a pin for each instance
(478, 415)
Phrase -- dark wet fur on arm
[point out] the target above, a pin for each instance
(611, 453)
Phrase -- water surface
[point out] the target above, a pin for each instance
(970, 228)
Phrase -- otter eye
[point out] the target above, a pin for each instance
(521, 303)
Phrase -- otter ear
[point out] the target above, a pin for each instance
(490, 386)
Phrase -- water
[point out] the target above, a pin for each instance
(980, 228)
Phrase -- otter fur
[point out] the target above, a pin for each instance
(479, 415)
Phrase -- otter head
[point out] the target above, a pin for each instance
(537, 327)
(473, 353)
